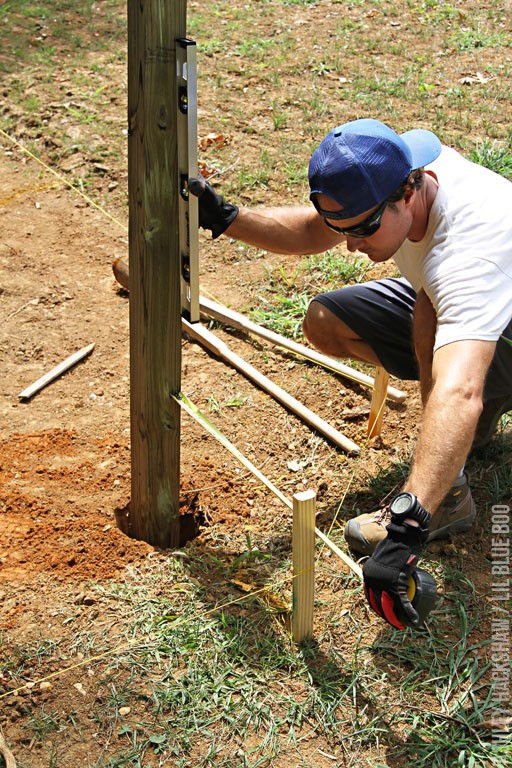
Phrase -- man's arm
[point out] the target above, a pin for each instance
(289, 230)
(450, 417)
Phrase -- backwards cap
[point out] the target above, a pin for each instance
(361, 163)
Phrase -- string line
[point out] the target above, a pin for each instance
(139, 641)
(63, 180)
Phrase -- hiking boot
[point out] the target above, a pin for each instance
(457, 511)
(455, 515)
(364, 532)
(489, 418)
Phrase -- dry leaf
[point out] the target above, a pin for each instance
(477, 78)
(205, 170)
(244, 586)
(217, 139)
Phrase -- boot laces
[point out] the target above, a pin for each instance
(382, 514)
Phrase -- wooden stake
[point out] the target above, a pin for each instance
(196, 414)
(303, 556)
(218, 347)
(59, 369)
(378, 404)
(235, 320)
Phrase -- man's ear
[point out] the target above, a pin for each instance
(409, 195)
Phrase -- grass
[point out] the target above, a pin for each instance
(236, 401)
(212, 678)
(47, 25)
(467, 39)
(285, 314)
(291, 292)
(495, 156)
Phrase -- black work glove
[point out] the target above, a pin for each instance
(387, 572)
(214, 214)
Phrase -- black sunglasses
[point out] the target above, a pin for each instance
(365, 228)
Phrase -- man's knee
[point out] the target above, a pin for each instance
(318, 324)
(326, 332)
(313, 320)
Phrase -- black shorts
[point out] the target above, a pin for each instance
(380, 313)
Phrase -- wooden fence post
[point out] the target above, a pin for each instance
(155, 306)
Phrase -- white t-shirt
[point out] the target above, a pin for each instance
(464, 262)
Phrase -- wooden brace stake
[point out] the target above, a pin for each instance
(303, 556)
(59, 369)
(210, 341)
(236, 320)
(378, 403)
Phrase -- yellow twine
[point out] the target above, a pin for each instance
(135, 642)
(63, 180)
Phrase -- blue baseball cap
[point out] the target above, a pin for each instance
(361, 163)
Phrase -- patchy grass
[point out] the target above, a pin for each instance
(205, 674)
(287, 293)
(497, 157)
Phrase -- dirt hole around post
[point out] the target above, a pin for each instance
(191, 518)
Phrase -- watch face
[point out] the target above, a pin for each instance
(401, 504)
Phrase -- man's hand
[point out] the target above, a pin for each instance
(387, 572)
(214, 214)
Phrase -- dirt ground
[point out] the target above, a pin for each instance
(65, 457)
(65, 453)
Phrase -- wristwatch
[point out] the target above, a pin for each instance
(406, 506)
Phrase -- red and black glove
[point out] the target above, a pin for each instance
(387, 572)
(214, 213)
